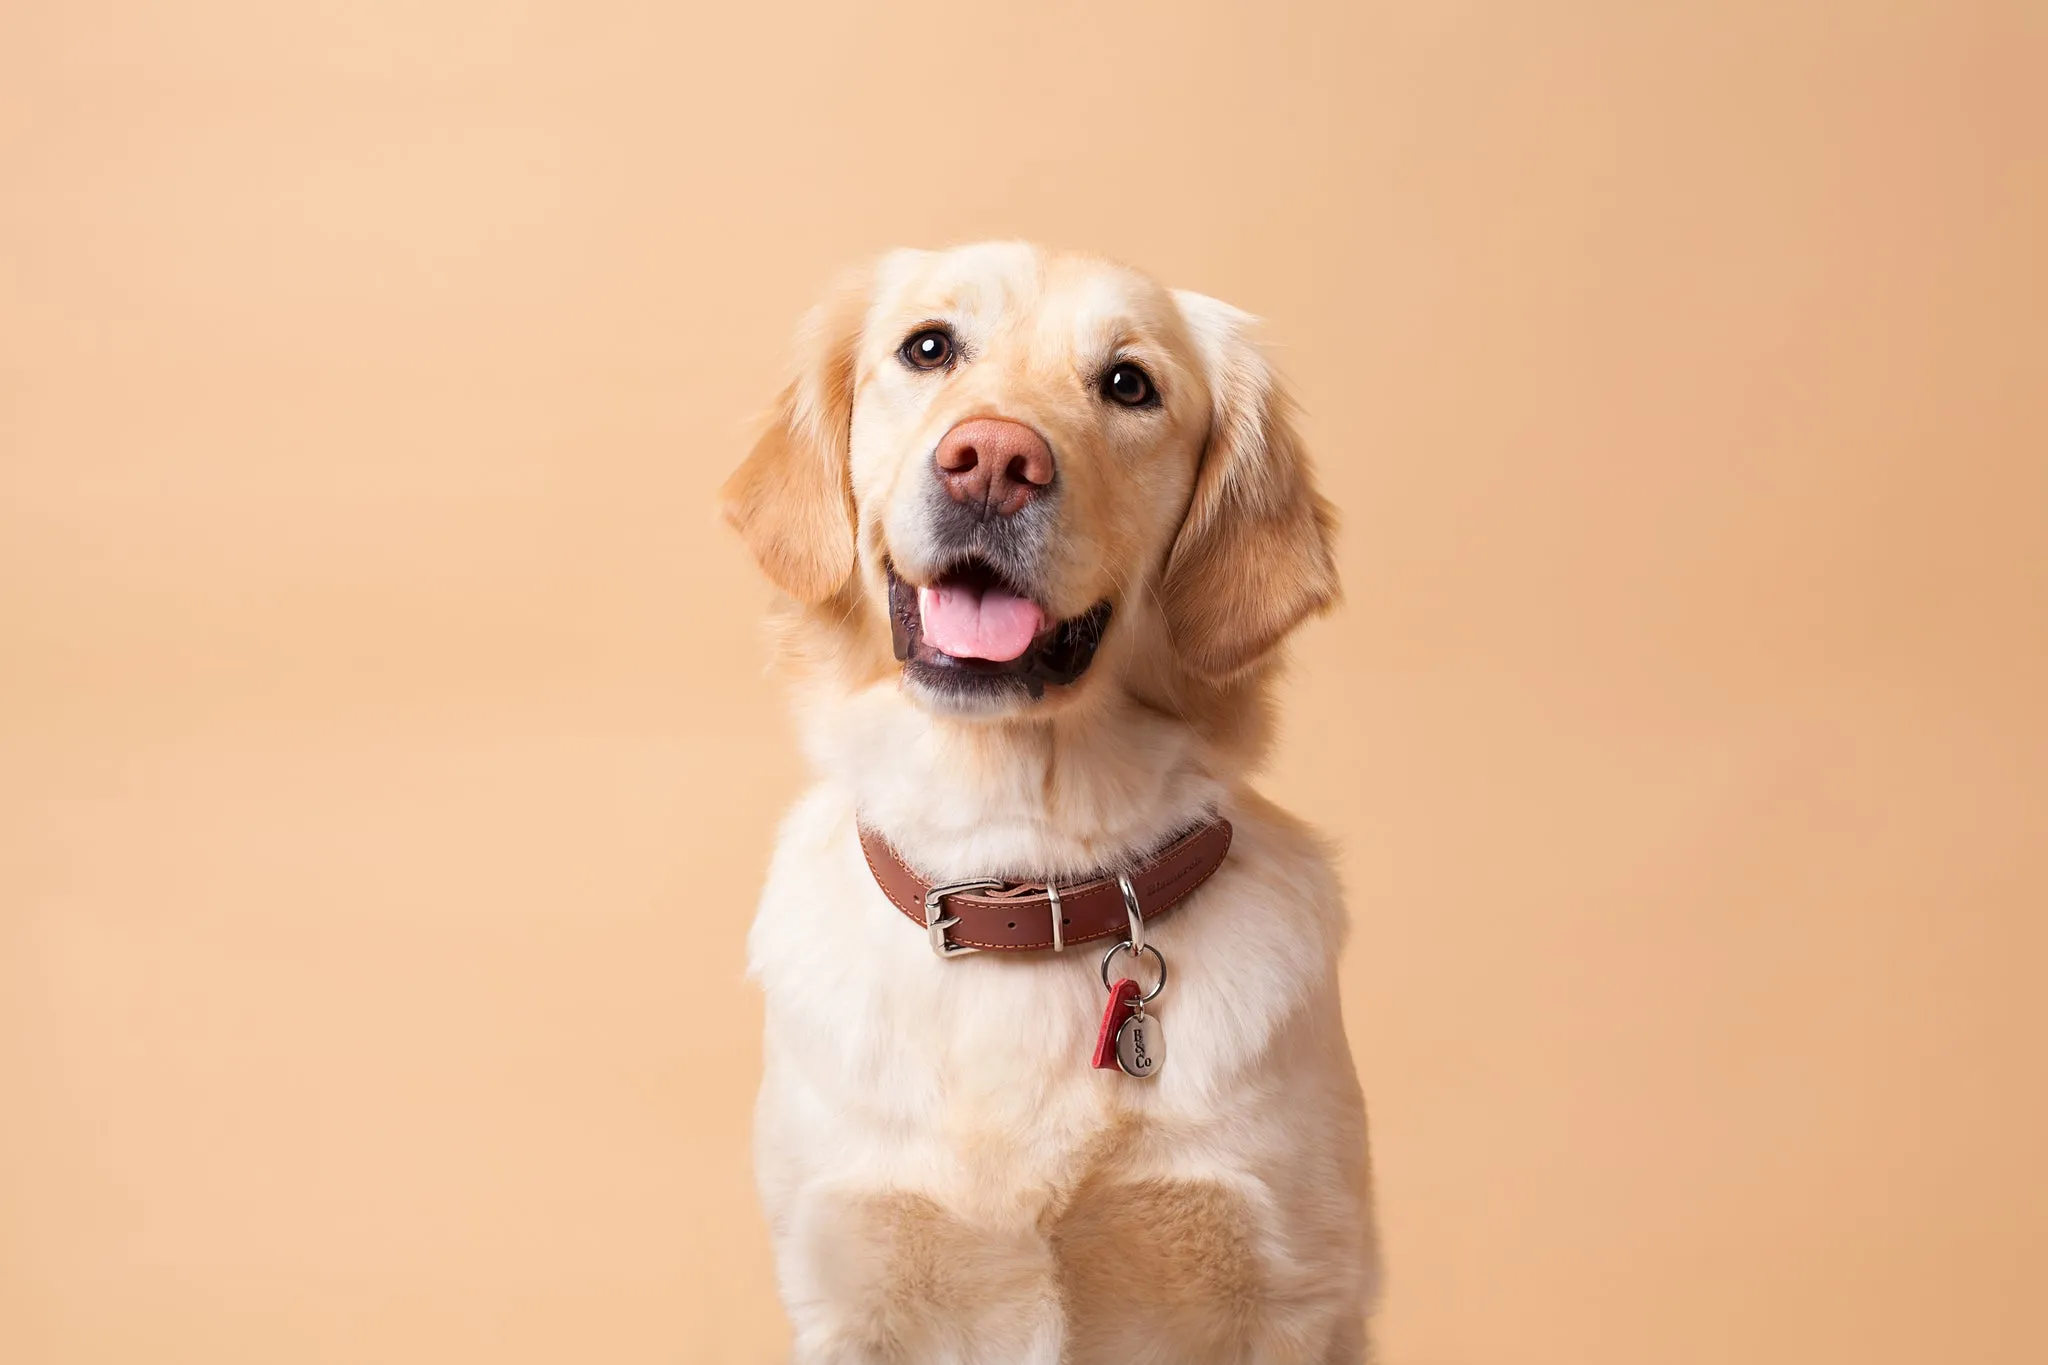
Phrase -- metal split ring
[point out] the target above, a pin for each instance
(1138, 951)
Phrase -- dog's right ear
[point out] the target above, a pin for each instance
(1255, 554)
(791, 500)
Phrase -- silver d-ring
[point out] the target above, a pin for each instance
(1132, 912)
(1157, 960)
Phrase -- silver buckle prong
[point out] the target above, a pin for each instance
(1059, 937)
(936, 922)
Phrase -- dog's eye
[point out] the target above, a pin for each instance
(930, 349)
(1128, 385)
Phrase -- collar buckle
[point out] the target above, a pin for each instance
(937, 922)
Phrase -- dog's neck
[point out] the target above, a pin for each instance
(1082, 792)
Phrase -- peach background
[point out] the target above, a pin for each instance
(385, 766)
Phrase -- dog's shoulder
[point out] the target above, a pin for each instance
(802, 872)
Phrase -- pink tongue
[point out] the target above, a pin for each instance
(970, 624)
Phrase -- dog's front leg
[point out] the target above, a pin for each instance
(826, 1346)
(890, 1277)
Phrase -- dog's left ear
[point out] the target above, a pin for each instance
(1254, 556)
(791, 500)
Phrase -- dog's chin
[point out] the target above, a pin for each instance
(1056, 659)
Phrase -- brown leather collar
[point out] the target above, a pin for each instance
(961, 917)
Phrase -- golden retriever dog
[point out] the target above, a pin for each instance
(1043, 526)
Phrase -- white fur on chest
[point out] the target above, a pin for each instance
(969, 1079)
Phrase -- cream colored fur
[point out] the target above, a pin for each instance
(946, 1178)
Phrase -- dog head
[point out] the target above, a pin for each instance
(1007, 480)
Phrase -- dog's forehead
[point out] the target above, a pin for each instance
(1016, 290)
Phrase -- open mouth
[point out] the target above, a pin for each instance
(971, 632)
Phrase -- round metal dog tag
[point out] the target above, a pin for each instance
(1140, 1046)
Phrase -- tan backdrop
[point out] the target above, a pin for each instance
(388, 766)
